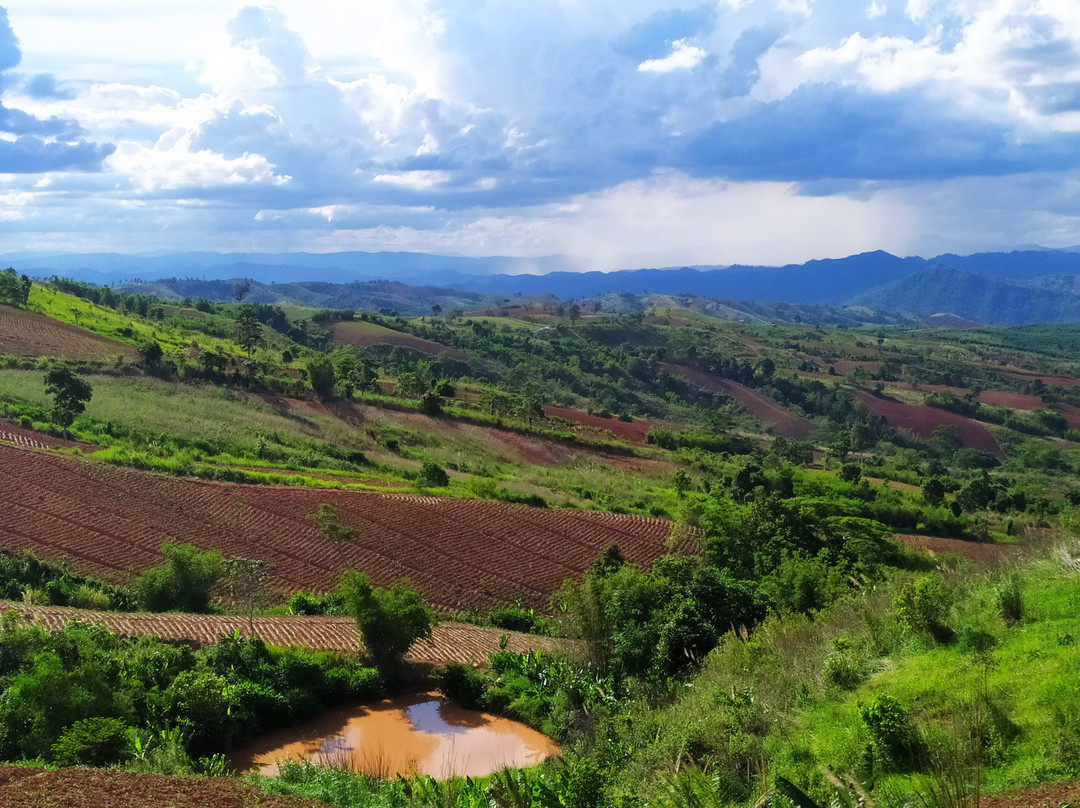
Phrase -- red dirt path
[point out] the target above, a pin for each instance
(452, 642)
(108, 788)
(28, 333)
(110, 522)
(923, 420)
(632, 431)
(776, 418)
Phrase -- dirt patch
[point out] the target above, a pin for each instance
(1050, 381)
(923, 420)
(29, 439)
(364, 334)
(109, 788)
(1044, 795)
(632, 431)
(110, 522)
(1014, 401)
(982, 552)
(27, 333)
(778, 420)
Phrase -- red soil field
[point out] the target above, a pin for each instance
(452, 642)
(27, 438)
(23, 787)
(1070, 413)
(923, 420)
(27, 333)
(354, 334)
(110, 522)
(1053, 381)
(982, 552)
(632, 431)
(1015, 401)
(776, 418)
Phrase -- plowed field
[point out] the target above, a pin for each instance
(632, 431)
(924, 420)
(364, 334)
(452, 642)
(27, 333)
(108, 788)
(776, 418)
(983, 552)
(110, 522)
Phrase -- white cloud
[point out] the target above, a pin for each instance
(414, 180)
(683, 56)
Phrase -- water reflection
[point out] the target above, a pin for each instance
(422, 733)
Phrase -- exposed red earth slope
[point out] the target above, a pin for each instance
(363, 334)
(27, 333)
(110, 522)
(22, 787)
(776, 418)
(924, 420)
(632, 431)
(452, 642)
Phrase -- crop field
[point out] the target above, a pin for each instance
(923, 420)
(27, 333)
(363, 334)
(24, 787)
(776, 418)
(1015, 401)
(451, 642)
(632, 431)
(110, 522)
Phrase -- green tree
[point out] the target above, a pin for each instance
(184, 582)
(389, 620)
(321, 375)
(14, 291)
(432, 475)
(70, 393)
(248, 329)
(248, 580)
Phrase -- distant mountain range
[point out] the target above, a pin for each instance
(1024, 286)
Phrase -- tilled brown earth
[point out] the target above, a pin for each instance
(108, 788)
(452, 642)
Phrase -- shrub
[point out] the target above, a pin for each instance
(432, 475)
(92, 742)
(513, 618)
(922, 607)
(463, 685)
(894, 743)
(183, 583)
(389, 620)
(1010, 601)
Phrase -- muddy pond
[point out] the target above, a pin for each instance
(422, 733)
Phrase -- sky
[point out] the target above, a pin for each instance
(620, 133)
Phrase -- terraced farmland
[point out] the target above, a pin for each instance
(110, 522)
(451, 642)
(27, 333)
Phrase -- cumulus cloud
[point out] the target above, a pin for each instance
(461, 125)
(32, 145)
(683, 56)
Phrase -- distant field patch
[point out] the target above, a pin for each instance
(110, 522)
(1014, 401)
(632, 431)
(27, 333)
(362, 334)
(778, 420)
(923, 421)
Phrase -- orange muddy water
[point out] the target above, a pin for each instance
(422, 733)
